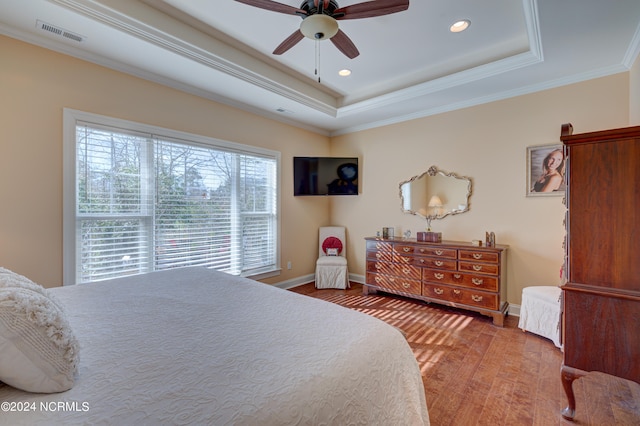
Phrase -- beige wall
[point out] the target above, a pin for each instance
(634, 94)
(487, 143)
(36, 84)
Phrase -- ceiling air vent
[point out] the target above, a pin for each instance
(60, 32)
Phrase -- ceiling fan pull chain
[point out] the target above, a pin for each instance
(318, 59)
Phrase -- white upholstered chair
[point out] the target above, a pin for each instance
(540, 312)
(331, 266)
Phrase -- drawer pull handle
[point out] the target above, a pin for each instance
(438, 276)
(456, 291)
(438, 263)
(422, 261)
(378, 280)
(477, 268)
(406, 270)
(422, 250)
(406, 285)
(477, 255)
(477, 281)
(476, 298)
(438, 290)
(406, 259)
(378, 266)
(457, 276)
(378, 255)
(439, 252)
(406, 249)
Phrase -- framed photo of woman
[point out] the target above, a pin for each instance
(546, 168)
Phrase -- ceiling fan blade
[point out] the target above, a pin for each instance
(370, 9)
(274, 6)
(288, 43)
(345, 45)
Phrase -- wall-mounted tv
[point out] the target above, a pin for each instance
(325, 176)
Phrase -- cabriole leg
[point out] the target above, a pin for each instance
(568, 375)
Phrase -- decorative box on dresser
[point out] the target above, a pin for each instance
(601, 298)
(450, 273)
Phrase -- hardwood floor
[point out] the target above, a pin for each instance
(478, 374)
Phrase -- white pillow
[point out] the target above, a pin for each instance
(38, 350)
(11, 279)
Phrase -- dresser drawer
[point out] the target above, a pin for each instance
(428, 262)
(381, 267)
(482, 282)
(396, 284)
(379, 245)
(479, 255)
(477, 267)
(407, 270)
(400, 270)
(463, 296)
(435, 251)
(385, 256)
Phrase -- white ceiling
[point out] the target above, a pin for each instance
(409, 66)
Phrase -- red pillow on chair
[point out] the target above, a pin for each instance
(332, 243)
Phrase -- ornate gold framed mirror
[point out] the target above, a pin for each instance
(435, 194)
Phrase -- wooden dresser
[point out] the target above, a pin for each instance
(601, 308)
(450, 273)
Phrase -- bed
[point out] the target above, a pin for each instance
(196, 346)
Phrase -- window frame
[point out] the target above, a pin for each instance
(71, 117)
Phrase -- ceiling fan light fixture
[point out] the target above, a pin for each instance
(319, 27)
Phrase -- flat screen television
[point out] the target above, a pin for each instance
(325, 176)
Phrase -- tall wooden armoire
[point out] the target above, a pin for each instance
(601, 298)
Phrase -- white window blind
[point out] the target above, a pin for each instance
(146, 202)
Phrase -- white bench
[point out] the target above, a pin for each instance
(540, 312)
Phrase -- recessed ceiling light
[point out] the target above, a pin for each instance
(344, 73)
(460, 26)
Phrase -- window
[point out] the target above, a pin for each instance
(140, 199)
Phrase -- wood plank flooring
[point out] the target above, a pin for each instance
(478, 374)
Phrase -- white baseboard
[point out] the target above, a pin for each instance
(360, 279)
(306, 279)
(514, 310)
(295, 282)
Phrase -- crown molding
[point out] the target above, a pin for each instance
(633, 50)
(136, 22)
(144, 22)
(575, 78)
(190, 44)
(533, 56)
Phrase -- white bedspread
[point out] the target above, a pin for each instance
(195, 346)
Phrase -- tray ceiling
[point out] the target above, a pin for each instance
(410, 64)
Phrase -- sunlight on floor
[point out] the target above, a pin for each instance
(431, 333)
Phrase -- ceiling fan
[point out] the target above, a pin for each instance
(319, 20)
